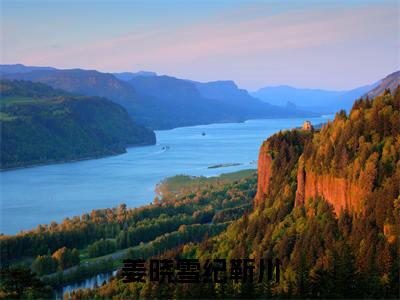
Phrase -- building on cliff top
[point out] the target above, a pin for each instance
(307, 126)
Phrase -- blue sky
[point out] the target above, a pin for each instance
(316, 44)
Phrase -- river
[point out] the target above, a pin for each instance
(91, 282)
(42, 194)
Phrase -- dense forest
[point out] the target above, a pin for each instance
(325, 253)
(40, 124)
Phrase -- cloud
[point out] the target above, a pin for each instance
(252, 37)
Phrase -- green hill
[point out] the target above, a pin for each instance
(40, 124)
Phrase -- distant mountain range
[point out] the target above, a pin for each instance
(84, 82)
(324, 101)
(129, 75)
(159, 102)
(20, 68)
(164, 102)
(226, 91)
(317, 100)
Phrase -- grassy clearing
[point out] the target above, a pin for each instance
(184, 183)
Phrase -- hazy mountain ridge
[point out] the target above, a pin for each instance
(222, 99)
(168, 96)
(161, 102)
(164, 102)
(84, 82)
(20, 68)
(323, 101)
(126, 76)
(226, 91)
(389, 82)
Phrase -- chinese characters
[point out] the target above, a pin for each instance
(192, 271)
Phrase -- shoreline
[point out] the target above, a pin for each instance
(312, 115)
(67, 161)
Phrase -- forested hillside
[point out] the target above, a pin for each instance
(327, 250)
(40, 124)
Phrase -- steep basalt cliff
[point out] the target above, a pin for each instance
(264, 173)
(341, 193)
(301, 176)
(276, 161)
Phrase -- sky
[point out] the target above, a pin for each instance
(334, 45)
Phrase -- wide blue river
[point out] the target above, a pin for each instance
(42, 194)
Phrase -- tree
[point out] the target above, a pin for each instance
(44, 264)
(66, 257)
(19, 282)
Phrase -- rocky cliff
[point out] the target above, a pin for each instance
(341, 193)
(264, 172)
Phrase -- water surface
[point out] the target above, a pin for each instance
(88, 283)
(41, 194)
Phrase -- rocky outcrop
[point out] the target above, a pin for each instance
(339, 192)
(307, 126)
(264, 173)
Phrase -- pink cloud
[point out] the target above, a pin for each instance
(222, 40)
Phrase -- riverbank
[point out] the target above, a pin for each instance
(64, 161)
(224, 165)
